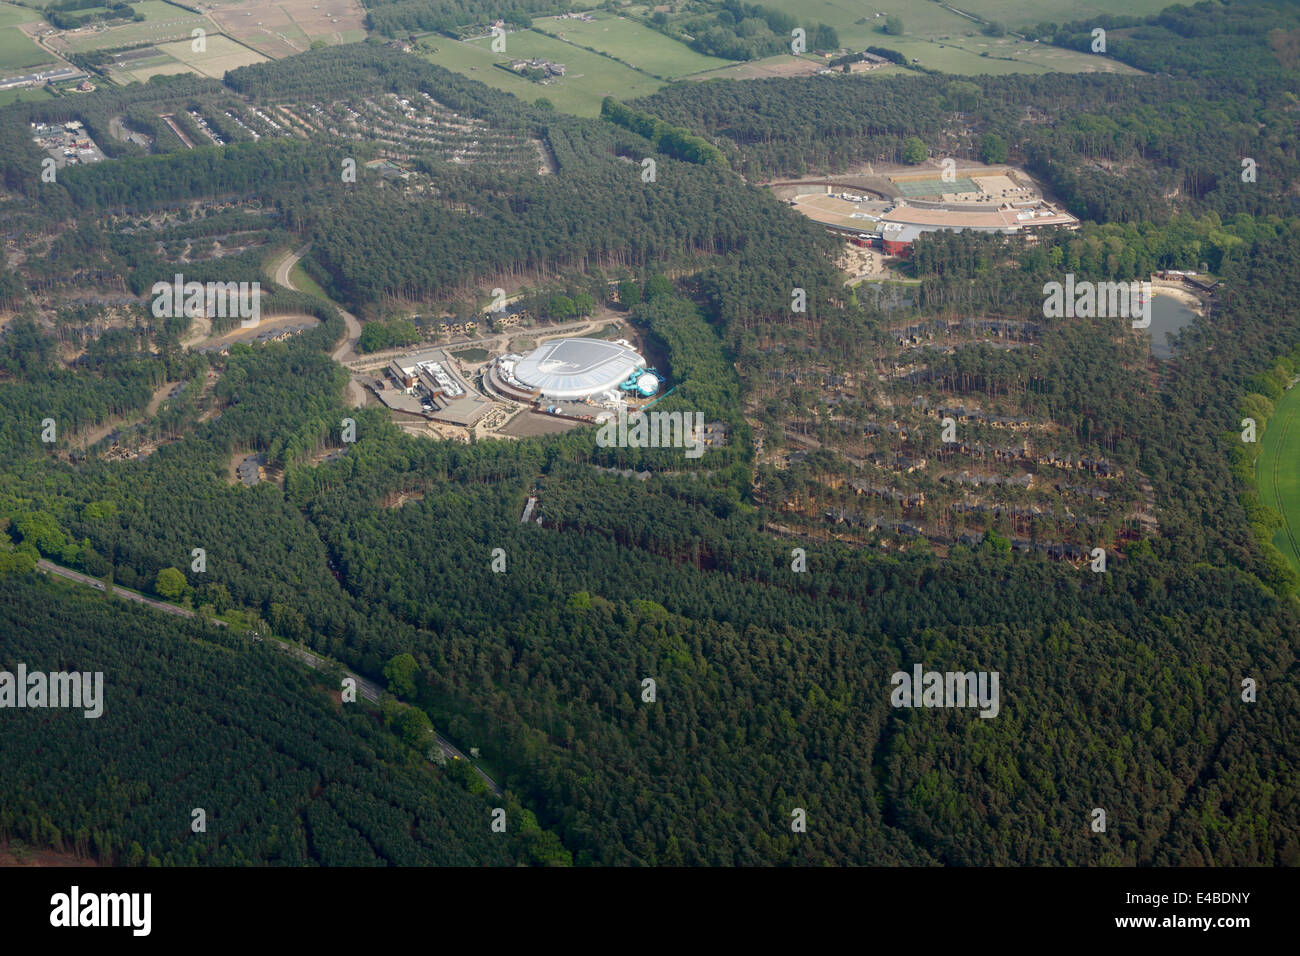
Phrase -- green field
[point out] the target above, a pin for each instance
(936, 38)
(935, 186)
(11, 14)
(141, 70)
(163, 22)
(927, 25)
(221, 55)
(159, 10)
(1026, 13)
(925, 18)
(26, 94)
(922, 17)
(634, 44)
(1277, 473)
(17, 50)
(961, 55)
(590, 77)
(301, 281)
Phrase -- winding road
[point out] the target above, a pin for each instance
(347, 350)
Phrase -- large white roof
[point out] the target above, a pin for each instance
(576, 368)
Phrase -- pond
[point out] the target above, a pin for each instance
(1168, 316)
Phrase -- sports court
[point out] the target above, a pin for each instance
(935, 187)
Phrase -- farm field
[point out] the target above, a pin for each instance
(1277, 474)
(929, 24)
(163, 22)
(936, 38)
(11, 14)
(590, 78)
(17, 50)
(963, 56)
(925, 18)
(222, 54)
(921, 17)
(634, 44)
(1025, 13)
(289, 26)
(1030, 57)
(25, 94)
(140, 70)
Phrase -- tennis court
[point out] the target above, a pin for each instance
(935, 187)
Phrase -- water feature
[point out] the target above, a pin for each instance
(1168, 316)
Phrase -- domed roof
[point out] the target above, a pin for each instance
(577, 368)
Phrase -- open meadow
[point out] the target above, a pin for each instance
(633, 43)
(222, 54)
(18, 51)
(163, 22)
(589, 77)
(1276, 475)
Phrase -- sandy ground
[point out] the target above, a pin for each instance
(1178, 292)
(200, 329)
(162, 392)
(862, 263)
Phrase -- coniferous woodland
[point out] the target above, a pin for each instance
(1120, 690)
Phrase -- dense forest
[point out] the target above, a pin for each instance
(198, 718)
(1120, 690)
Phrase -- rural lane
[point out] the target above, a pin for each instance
(346, 352)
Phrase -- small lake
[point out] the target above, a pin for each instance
(1168, 316)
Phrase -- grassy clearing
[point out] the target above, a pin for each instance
(222, 54)
(589, 79)
(1277, 474)
(11, 14)
(142, 70)
(929, 24)
(18, 52)
(301, 281)
(634, 44)
(936, 38)
(28, 94)
(925, 18)
(1026, 13)
(920, 17)
(162, 22)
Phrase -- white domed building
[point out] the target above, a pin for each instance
(568, 370)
